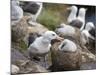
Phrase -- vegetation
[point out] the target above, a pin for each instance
(52, 15)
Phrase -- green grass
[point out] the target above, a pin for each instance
(49, 19)
(52, 16)
(22, 45)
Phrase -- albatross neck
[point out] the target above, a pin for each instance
(72, 15)
(46, 40)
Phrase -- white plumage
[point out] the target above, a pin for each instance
(65, 30)
(42, 44)
(16, 11)
(79, 21)
(67, 46)
(85, 35)
(73, 13)
(81, 17)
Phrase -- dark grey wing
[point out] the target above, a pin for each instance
(93, 32)
(76, 23)
(30, 7)
(63, 45)
(32, 37)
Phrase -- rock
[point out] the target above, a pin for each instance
(38, 28)
(25, 64)
(28, 66)
(88, 66)
(14, 69)
(91, 46)
(16, 55)
(88, 57)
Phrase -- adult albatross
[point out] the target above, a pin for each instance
(88, 33)
(79, 22)
(41, 46)
(72, 14)
(34, 8)
(16, 12)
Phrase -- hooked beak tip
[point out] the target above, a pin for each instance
(60, 38)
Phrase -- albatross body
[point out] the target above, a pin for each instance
(41, 46)
(34, 8)
(67, 46)
(16, 11)
(64, 29)
(88, 33)
(73, 13)
(79, 22)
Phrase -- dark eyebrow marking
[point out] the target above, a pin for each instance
(63, 45)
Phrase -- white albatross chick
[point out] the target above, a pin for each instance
(16, 12)
(85, 35)
(73, 13)
(14, 69)
(65, 30)
(67, 46)
(41, 46)
(79, 22)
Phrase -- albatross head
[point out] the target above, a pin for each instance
(82, 12)
(50, 35)
(15, 2)
(72, 14)
(89, 26)
(67, 46)
(73, 8)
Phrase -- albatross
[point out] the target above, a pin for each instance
(79, 22)
(41, 46)
(72, 14)
(64, 30)
(67, 46)
(16, 11)
(88, 33)
(34, 8)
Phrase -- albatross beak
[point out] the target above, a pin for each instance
(59, 39)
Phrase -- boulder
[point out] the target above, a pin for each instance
(24, 63)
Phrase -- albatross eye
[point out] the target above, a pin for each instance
(53, 34)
